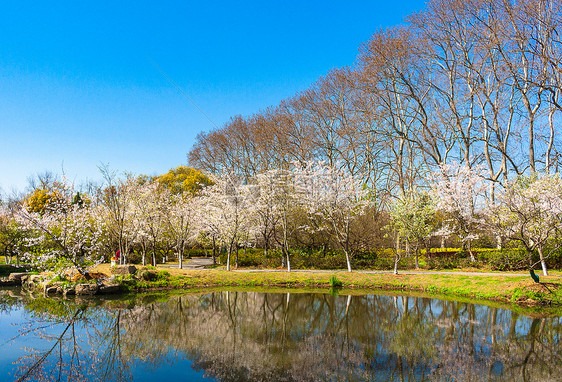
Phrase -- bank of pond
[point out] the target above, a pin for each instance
(273, 335)
(515, 290)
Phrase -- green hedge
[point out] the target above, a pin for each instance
(303, 259)
(498, 260)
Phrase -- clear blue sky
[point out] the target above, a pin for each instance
(77, 86)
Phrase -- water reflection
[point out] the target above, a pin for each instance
(241, 336)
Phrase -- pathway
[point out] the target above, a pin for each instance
(193, 263)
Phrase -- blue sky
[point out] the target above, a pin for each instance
(78, 87)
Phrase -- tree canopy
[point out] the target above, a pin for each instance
(184, 179)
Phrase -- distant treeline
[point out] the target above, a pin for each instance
(477, 82)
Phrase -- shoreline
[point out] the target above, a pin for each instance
(517, 292)
(513, 290)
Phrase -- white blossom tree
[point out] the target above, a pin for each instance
(530, 212)
(117, 199)
(151, 203)
(459, 191)
(265, 212)
(336, 198)
(66, 233)
(275, 199)
(226, 205)
(181, 221)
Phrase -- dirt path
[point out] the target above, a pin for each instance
(193, 263)
(401, 272)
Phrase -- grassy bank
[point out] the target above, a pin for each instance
(520, 290)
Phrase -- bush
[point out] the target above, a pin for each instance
(335, 283)
(554, 258)
(506, 259)
(449, 260)
(134, 258)
(148, 275)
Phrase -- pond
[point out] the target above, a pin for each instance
(254, 336)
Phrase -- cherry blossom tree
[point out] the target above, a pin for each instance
(530, 212)
(265, 209)
(181, 221)
(226, 212)
(151, 202)
(459, 191)
(66, 233)
(117, 210)
(275, 199)
(136, 228)
(336, 198)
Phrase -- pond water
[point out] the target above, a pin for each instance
(251, 336)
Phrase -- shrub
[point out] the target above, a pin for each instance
(148, 275)
(506, 259)
(335, 282)
(449, 260)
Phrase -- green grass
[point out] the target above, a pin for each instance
(512, 290)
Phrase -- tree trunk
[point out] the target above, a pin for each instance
(543, 262)
(228, 258)
(396, 255)
(469, 249)
(417, 257)
(348, 260)
(214, 251)
(499, 242)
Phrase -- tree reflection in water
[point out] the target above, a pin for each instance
(246, 336)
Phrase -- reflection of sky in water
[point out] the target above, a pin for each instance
(14, 346)
(181, 370)
(246, 336)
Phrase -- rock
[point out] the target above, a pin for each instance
(69, 292)
(33, 279)
(52, 290)
(86, 289)
(110, 289)
(4, 282)
(124, 270)
(17, 276)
